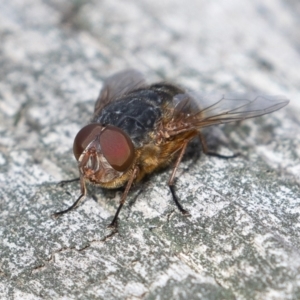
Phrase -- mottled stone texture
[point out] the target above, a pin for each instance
(242, 239)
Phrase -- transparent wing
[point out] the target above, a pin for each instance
(117, 85)
(196, 111)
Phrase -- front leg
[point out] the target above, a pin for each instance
(114, 222)
(76, 203)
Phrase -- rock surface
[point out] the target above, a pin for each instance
(242, 239)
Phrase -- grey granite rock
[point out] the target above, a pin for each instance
(242, 239)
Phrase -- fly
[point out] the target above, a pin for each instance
(138, 128)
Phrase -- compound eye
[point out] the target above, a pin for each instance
(85, 136)
(117, 148)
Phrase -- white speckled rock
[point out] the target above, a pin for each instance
(242, 240)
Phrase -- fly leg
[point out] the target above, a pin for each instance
(172, 178)
(63, 182)
(205, 149)
(76, 203)
(114, 222)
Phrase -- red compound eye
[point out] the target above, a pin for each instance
(86, 135)
(117, 148)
